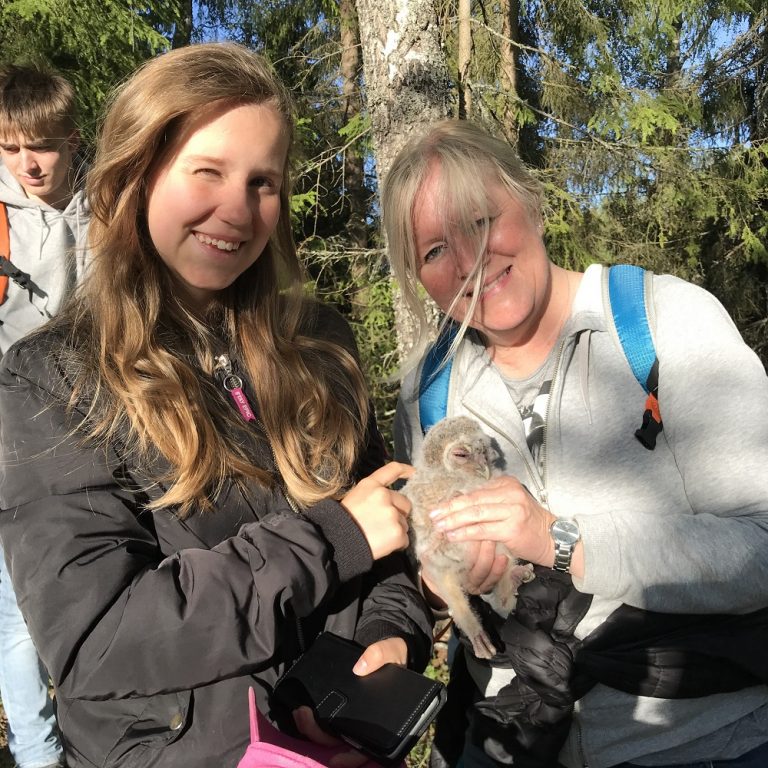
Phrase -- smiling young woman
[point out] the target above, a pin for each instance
(201, 487)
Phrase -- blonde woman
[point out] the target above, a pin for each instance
(640, 641)
(193, 483)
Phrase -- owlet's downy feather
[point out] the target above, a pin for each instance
(456, 457)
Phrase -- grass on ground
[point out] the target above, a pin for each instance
(6, 761)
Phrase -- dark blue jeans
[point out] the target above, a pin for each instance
(757, 758)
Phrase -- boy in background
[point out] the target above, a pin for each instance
(42, 256)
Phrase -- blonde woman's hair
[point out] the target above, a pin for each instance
(138, 351)
(468, 158)
(38, 103)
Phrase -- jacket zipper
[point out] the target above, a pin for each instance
(545, 498)
(233, 385)
(532, 471)
(544, 501)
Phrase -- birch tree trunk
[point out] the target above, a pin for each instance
(407, 86)
(407, 83)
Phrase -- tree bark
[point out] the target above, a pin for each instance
(509, 63)
(465, 58)
(761, 95)
(407, 87)
(406, 75)
(354, 171)
(354, 174)
(510, 32)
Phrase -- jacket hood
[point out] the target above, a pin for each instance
(11, 191)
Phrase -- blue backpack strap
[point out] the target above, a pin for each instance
(434, 380)
(627, 295)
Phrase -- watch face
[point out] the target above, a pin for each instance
(565, 531)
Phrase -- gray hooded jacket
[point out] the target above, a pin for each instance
(680, 529)
(48, 245)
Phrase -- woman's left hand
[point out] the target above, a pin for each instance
(502, 510)
(392, 650)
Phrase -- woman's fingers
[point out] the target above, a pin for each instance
(501, 511)
(390, 472)
(488, 569)
(473, 520)
(392, 650)
(504, 490)
(381, 513)
(307, 726)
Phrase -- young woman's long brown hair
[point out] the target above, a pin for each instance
(138, 351)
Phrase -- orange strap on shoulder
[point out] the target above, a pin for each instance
(5, 249)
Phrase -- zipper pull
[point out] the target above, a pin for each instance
(233, 384)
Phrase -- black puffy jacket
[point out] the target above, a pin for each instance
(152, 627)
(635, 651)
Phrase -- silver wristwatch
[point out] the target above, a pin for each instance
(565, 534)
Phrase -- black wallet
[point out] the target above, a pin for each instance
(382, 714)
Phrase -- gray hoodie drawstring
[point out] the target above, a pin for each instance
(40, 240)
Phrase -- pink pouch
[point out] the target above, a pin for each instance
(270, 748)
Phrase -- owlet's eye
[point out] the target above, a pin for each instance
(460, 455)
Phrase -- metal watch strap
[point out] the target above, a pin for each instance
(563, 555)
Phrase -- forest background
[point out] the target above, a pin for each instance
(647, 124)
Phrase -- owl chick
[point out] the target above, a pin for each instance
(456, 457)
